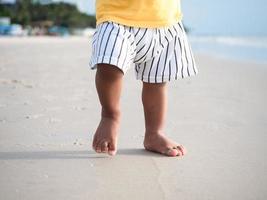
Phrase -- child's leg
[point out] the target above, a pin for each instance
(108, 84)
(154, 97)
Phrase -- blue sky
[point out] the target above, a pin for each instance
(235, 17)
(87, 6)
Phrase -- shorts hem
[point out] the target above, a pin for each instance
(159, 79)
(107, 60)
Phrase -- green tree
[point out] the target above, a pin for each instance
(22, 12)
(28, 12)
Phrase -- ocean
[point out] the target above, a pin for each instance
(252, 48)
(233, 29)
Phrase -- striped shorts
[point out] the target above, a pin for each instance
(158, 54)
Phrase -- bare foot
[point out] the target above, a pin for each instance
(161, 144)
(105, 138)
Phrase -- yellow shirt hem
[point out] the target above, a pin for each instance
(140, 24)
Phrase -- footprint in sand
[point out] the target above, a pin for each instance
(27, 103)
(54, 120)
(16, 82)
(78, 142)
(79, 108)
(36, 116)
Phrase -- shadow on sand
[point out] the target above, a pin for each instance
(42, 155)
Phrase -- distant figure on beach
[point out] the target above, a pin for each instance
(148, 34)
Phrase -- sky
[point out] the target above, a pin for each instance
(87, 6)
(232, 17)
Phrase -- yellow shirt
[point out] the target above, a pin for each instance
(139, 13)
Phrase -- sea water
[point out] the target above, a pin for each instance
(234, 29)
(236, 48)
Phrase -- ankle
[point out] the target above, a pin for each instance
(153, 133)
(112, 115)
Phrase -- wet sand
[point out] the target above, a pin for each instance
(49, 111)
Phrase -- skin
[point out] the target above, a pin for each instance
(109, 80)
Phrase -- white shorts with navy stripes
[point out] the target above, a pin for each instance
(158, 54)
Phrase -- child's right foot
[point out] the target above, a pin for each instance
(161, 144)
(105, 138)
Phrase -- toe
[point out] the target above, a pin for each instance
(94, 142)
(172, 152)
(112, 149)
(104, 147)
(181, 149)
(98, 147)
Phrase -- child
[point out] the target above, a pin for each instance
(150, 35)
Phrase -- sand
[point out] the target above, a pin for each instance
(49, 111)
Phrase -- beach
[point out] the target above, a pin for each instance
(49, 111)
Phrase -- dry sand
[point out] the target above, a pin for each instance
(49, 111)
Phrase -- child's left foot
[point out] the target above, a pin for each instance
(161, 144)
